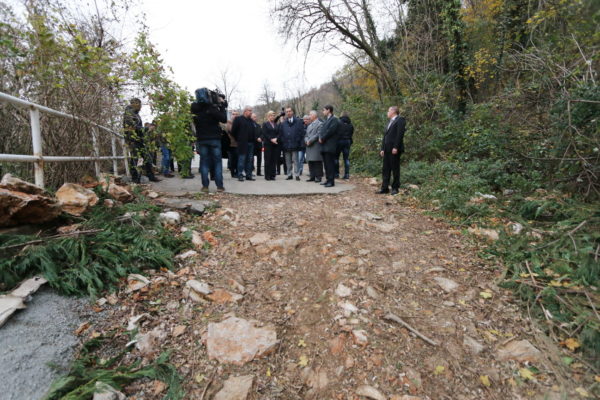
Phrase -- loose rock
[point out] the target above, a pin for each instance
(170, 217)
(370, 392)
(343, 291)
(446, 284)
(519, 350)
(472, 345)
(104, 391)
(75, 199)
(237, 341)
(235, 388)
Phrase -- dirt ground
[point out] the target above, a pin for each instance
(347, 261)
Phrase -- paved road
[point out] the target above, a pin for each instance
(280, 187)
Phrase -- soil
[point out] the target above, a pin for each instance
(388, 255)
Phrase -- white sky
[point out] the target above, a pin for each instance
(201, 38)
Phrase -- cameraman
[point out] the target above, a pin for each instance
(207, 116)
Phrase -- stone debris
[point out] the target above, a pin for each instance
(343, 291)
(348, 308)
(369, 392)
(75, 199)
(238, 341)
(472, 345)
(23, 203)
(170, 218)
(485, 233)
(222, 296)
(133, 321)
(316, 379)
(235, 388)
(104, 391)
(15, 300)
(136, 282)
(372, 216)
(519, 350)
(196, 207)
(196, 290)
(117, 192)
(186, 255)
(197, 240)
(259, 238)
(448, 285)
(360, 337)
(372, 292)
(149, 343)
(412, 186)
(152, 194)
(515, 228)
(178, 330)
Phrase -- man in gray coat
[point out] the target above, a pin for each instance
(313, 148)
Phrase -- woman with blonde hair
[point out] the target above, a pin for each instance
(270, 138)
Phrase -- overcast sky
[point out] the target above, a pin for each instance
(199, 39)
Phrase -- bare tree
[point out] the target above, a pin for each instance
(228, 83)
(348, 26)
(267, 96)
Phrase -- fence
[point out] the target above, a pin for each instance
(38, 159)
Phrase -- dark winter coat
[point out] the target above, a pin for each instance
(346, 129)
(243, 131)
(291, 135)
(393, 137)
(206, 121)
(329, 134)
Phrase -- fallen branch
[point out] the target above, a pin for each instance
(395, 318)
(62, 235)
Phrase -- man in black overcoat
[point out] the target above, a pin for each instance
(328, 137)
(392, 147)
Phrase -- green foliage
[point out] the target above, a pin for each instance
(90, 264)
(168, 101)
(80, 382)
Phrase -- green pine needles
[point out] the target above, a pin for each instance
(90, 264)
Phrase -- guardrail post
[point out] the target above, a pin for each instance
(113, 146)
(36, 141)
(125, 159)
(96, 151)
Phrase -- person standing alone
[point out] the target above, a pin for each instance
(328, 137)
(392, 147)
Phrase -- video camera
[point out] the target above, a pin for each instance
(206, 98)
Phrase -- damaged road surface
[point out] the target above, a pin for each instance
(37, 344)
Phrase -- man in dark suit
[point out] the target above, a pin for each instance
(242, 130)
(328, 137)
(392, 147)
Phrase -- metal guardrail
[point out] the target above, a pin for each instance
(38, 158)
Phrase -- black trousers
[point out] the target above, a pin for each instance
(232, 161)
(329, 164)
(271, 158)
(258, 153)
(138, 151)
(391, 167)
(315, 169)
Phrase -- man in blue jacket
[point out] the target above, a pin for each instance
(291, 133)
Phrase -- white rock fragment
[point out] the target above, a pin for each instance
(343, 291)
(170, 218)
(448, 285)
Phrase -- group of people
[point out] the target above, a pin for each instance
(284, 139)
(289, 141)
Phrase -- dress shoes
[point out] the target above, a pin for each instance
(394, 192)
(250, 179)
(241, 179)
(310, 180)
(318, 180)
(382, 191)
(168, 175)
(188, 177)
(289, 178)
(330, 184)
(297, 178)
(154, 179)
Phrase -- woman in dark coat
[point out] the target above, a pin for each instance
(270, 139)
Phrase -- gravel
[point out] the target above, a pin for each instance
(37, 344)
